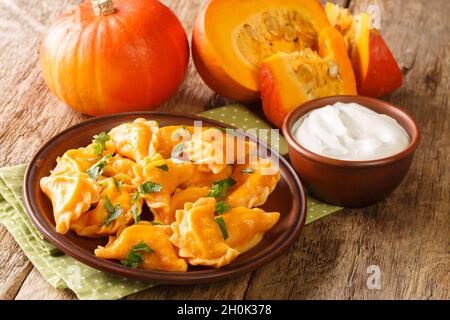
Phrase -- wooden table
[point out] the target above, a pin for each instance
(407, 236)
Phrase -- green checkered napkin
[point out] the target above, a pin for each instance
(63, 271)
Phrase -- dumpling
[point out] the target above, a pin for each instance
(198, 237)
(79, 160)
(72, 194)
(118, 165)
(94, 223)
(246, 227)
(158, 180)
(206, 178)
(208, 150)
(182, 196)
(213, 150)
(135, 140)
(164, 256)
(170, 136)
(254, 183)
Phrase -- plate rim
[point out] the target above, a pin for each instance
(161, 277)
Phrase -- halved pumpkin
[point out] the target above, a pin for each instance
(290, 79)
(377, 73)
(228, 44)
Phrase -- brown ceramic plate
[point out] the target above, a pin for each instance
(288, 198)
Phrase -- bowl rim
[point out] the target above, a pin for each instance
(295, 114)
(163, 277)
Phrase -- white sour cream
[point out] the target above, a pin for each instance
(349, 131)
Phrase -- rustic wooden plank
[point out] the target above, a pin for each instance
(407, 235)
(36, 287)
(14, 266)
(233, 290)
(29, 114)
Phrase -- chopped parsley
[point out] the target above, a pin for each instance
(136, 255)
(220, 188)
(149, 187)
(156, 223)
(135, 212)
(223, 227)
(100, 141)
(114, 211)
(222, 207)
(135, 197)
(135, 208)
(163, 167)
(118, 183)
(247, 170)
(97, 168)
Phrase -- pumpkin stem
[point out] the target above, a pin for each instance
(103, 7)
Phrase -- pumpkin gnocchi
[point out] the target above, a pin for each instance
(167, 197)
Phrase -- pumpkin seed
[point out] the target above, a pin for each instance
(290, 33)
(250, 31)
(272, 24)
(293, 15)
(306, 72)
(333, 69)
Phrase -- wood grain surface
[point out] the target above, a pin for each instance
(407, 236)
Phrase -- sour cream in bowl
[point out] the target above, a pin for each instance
(350, 131)
(351, 151)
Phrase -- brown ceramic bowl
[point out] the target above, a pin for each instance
(288, 198)
(351, 183)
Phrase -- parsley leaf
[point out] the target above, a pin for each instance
(222, 207)
(96, 169)
(163, 167)
(223, 227)
(135, 208)
(149, 187)
(247, 170)
(114, 211)
(135, 197)
(136, 255)
(220, 188)
(100, 141)
(118, 183)
(135, 212)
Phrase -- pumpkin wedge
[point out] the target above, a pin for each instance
(290, 79)
(229, 44)
(376, 70)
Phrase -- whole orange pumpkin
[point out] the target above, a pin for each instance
(109, 56)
